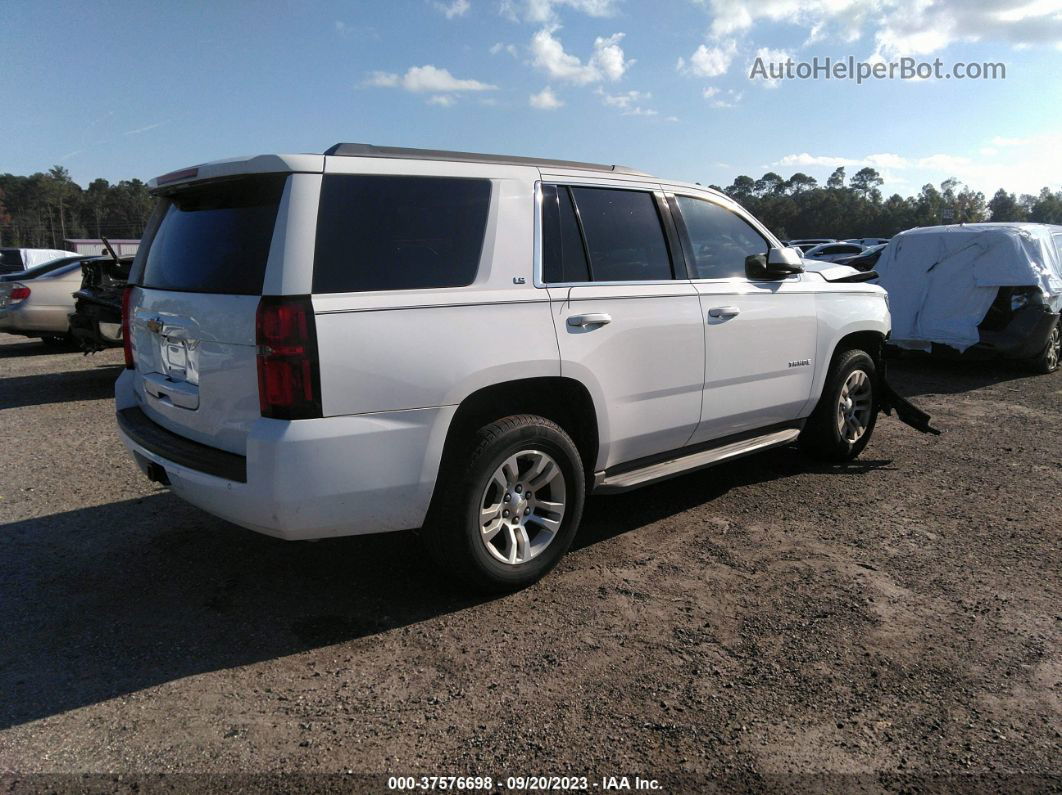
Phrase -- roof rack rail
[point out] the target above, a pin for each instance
(368, 150)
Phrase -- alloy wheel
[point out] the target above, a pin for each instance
(522, 507)
(854, 406)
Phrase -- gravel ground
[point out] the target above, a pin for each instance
(897, 616)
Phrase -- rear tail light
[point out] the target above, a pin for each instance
(127, 337)
(20, 293)
(289, 378)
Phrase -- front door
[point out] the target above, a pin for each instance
(760, 336)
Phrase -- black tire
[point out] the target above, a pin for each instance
(822, 437)
(1048, 360)
(452, 533)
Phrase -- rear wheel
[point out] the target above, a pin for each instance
(844, 419)
(506, 513)
(1048, 360)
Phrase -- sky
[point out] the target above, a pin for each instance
(119, 89)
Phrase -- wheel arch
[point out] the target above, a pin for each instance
(562, 400)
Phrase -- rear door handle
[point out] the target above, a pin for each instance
(591, 319)
(724, 311)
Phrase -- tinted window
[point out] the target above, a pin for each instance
(10, 260)
(212, 238)
(623, 235)
(398, 233)
(721, 240)
(563, 257)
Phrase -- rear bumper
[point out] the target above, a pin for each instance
(304, 479)
(1024, 337)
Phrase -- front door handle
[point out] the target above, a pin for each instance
(592, 319)
(724, 311)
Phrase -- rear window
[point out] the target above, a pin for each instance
(10, 260)
(212, 238)
(398, 233)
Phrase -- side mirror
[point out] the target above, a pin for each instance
(775, 265)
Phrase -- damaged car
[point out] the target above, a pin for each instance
(96, 322)
(991, 290)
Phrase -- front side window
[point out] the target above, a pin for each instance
(623, 235)
(399, 233)
(721, 239)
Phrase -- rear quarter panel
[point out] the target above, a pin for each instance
(404, 349)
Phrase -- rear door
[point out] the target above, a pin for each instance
(626, 324)
(760, 336)
(200, 272)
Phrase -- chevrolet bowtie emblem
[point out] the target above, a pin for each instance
(154, 325)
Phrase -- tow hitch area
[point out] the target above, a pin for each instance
(156, 474)
(906, 412)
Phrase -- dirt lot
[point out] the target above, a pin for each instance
(901, 614)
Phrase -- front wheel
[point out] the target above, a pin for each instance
(841, 425)
(505, 514)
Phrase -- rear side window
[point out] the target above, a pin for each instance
(623, 235)
(212, 238)
(398, 233)
(721, 240)
(563, 256)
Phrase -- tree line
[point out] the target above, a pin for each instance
(42, 210)
(799, 207)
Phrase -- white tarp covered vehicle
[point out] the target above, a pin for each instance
(984, 288)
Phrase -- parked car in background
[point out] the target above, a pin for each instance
(40, 306)
(40, 270)
(865, 260)
(96, 322)
(809, 243)
(977, 290)
(867, 242)
(13, 260)
(833, 252)
(377, 339)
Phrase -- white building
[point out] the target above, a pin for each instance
(123, 248)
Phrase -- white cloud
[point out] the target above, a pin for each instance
(630, 103)
(502, 47)
(899, 27)
(1022, 165)
(540, 11)
(606, 63)
(709, 61)
(546, 100)
(426, 79)
(456, 8)
(723, 99)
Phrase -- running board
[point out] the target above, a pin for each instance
(662, 470)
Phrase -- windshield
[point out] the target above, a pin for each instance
(212, 238)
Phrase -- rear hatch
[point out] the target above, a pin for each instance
(199, 272)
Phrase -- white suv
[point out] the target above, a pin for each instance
(377, 339)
